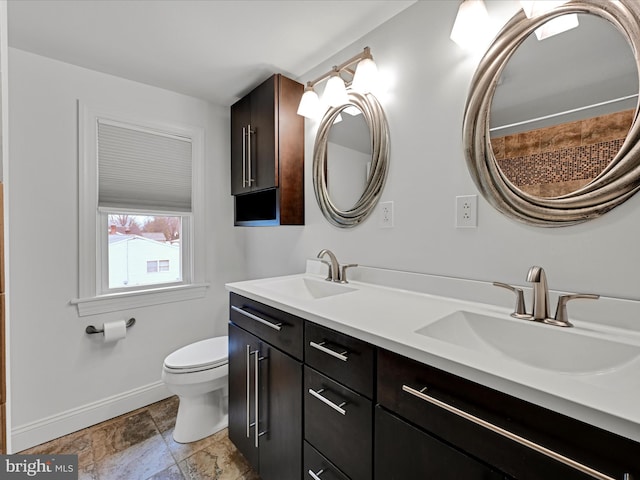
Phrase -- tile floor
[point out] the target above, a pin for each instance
(139, 446)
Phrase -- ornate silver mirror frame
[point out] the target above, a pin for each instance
(615, 184)
(379, 133)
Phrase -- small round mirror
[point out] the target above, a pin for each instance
(350, 160)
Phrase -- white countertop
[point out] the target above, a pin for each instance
(389, 318)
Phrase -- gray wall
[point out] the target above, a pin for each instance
(428, 77)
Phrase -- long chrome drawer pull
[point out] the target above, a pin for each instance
(337, 408)
(257, 396)
(315, 476)
(275, 326)
(248, 360)
(320, 346)
(505, 433)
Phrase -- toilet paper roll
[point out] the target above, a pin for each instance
(114, 331)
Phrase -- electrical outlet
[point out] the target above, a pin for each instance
(386, 215)
(467, 211)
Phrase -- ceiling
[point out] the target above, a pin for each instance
(211, 49)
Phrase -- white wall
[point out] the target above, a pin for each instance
(428, 77)
(61, 378)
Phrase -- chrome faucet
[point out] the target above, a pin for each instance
(540, 312)
(337, 272)
(334, 266)
(537, 276)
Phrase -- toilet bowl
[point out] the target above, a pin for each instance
(197, 374)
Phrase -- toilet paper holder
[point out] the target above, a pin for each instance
(91, 329)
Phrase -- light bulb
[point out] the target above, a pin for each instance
(472, 28)
(310, 106)
(335, 93)
(365, 79)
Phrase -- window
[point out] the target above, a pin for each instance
(143, 250)
(140, 211)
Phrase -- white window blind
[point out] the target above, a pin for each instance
(143, 169)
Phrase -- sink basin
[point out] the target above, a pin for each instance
(543, 346)
(307, 288)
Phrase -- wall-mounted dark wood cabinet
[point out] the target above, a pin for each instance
(267, 154)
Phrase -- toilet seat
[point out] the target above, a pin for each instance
(198, 356)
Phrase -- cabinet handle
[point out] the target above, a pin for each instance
(248, 359)
(505, 433)
(257, 396)
(244, 157)
(249, 174)
(256, 386)
(325, 400)
(315, 476)
(275, 326)
(320, 346)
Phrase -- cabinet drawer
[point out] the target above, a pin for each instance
(586, 444)
(280, 329)
(316, 466)
(403, 451)
(338, 423)
(341, 357)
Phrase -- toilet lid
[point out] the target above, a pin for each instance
(205, 353)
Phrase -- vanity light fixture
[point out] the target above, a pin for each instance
(362, 80)
(472, 26)
(554, 26)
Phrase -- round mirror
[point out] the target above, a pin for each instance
(350, 160)
(549, 129)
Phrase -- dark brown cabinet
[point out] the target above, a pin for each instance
(597, 449)
(338, 406)
(404, 452)
(368, 413)
(267, 154)
(265, 400)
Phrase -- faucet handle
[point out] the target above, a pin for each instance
(330, 273)
(520, 310)
(562, 318)
(343, 271)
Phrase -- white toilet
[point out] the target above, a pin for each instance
(197, 374)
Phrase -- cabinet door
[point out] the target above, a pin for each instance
(280, 416)
(264, 128)
(402, 452)
(242, 393)
(278, 454)
(240, 121)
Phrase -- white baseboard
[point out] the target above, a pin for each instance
(41, 431)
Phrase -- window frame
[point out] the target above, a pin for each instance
(92, 227)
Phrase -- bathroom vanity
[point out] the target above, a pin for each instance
(337, 382)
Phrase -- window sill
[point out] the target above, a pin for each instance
(141, 298)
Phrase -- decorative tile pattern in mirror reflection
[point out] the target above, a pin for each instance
(554, 161)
